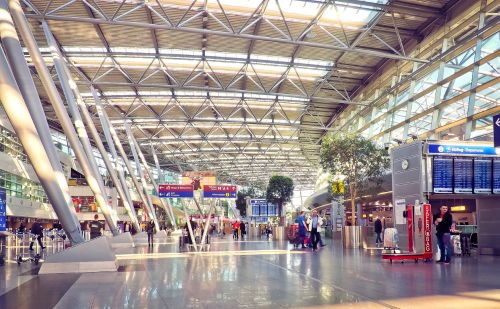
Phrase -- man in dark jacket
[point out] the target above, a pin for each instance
(37, 231)
(443, 221)
(95, 228)
(378, 231)
(150, 229)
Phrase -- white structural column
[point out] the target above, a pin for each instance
(437, 113)
(144, 184)
(148, 171)
(390, 115)
(114, 155)
(28, 90)
(60, 110)
(97, 139)
(91, 169)
(106, 123)
(19, 116)
(411, 103)
(160, 177)
(475, 74)
(135, 146)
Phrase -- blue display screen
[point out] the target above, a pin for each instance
(3, 211)
(462, 175)
(482, 175)
(442, 175)
(496, 176)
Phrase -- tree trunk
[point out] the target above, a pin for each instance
(353, 204)
(280, 214)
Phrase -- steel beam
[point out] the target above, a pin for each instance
(149, 205)
(127, 198)
(160, 178)
(136, 146)
(89, 165)
(475, 73)
(129, 207)
(13, 50)
(98, 21)
(106, 123)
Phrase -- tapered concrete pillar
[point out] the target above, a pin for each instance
(99, 190)
(106, 123)
(60, 110)
(141, 176)
(160, 177)
(93, 131)
(20, 118)
(28, 90)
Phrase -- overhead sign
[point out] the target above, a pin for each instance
(444, 149)
(172, 191)
(496, 130)
(219, 191)
(3, 211)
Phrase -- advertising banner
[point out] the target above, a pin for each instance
(175, 191)
(199, 179)
(219, 191)
(427, 228)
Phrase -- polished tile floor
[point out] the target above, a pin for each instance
(257, 274)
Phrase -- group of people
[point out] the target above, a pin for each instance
(312, 225)
(239, 229)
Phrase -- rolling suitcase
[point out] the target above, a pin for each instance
(456, 243)
(391, 238)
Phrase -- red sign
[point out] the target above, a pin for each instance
(219, 191)
(220, 188)
(427, 228)
(409, 217)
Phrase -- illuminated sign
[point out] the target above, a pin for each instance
(219, 191)
(443, 149)
(458, 208)
(172, 191)
(427, 228)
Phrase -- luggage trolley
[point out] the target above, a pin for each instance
(32, 256)
(419, 222)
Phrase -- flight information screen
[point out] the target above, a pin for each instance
(496, 176)
(442, 174)
(462, 175)
(482, 175)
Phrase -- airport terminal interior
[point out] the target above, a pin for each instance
(249, 154)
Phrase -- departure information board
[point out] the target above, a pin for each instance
(482, 175)
(462, 175)
(442, 175)
(496, 176)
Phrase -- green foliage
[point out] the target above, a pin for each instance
(359, 160)
(279, 191)
(250, 192)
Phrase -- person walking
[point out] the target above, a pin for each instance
(443, 221)
(95, 227)
(314, 223)
(301, 221)
(236, 227)
(378, 230)
(37, 231)
(150, 229)
(243, 230)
